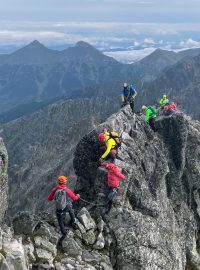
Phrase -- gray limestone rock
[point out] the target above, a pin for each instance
(158, 222)
(3, 180)
(71, 247)
(86, 220)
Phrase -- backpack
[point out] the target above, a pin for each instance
(153, 110)
(61, 199)
(117, 138)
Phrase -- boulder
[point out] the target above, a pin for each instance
(86, 220)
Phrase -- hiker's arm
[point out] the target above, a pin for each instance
(135, 94)
(147, 116)
(73, 196)
(109, 147)
(104, 165)
(122, 95)
(119, 174)
(51, 194)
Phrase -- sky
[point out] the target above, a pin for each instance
(125, 29)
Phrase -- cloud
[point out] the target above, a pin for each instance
(130, 56)
(190, 43)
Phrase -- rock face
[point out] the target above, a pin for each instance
(155, 220)
(41, 146)
(3, 180)
(39, 248)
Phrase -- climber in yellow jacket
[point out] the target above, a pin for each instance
(110, 148)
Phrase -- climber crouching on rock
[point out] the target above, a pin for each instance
(61, 194)
(170, 109)
(112, 141)
(113, 180)
(150, 113)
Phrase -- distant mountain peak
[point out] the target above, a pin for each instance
(35, 45)
(83, 44)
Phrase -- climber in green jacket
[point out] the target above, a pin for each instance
(150, 113)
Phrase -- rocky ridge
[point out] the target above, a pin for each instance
(154, 221)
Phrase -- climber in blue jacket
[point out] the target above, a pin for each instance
(128, 95)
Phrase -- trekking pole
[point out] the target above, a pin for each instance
(91, 203)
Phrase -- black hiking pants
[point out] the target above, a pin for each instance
(152, 124)
(110, 194)
(61, 215)
(131, 103)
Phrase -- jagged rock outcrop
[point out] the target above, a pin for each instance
(3, 180)
(155, 221)
(37, 240)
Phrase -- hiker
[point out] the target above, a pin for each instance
(164, 101)
(61, 194)
(112, 141)
(170, 109)
(113, 180)
(150, 116)
(128, 95)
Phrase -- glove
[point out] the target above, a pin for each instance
(78, 196)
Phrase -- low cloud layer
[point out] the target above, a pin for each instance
(127, 42)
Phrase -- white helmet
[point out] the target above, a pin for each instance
(125, 85)
(144, 107)
(164, 96)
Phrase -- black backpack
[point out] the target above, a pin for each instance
(116, 137)
(61, 199)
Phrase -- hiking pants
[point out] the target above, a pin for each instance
(61, 215)
(169, 112)
(110, 194)
(132, 104)
(152, 124)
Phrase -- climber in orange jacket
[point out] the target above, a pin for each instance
(113, 180)
(61, 195)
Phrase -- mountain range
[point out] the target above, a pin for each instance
(35, 73)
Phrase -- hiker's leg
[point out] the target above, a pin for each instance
(71, 213)
(113, 154)
(110, 194)
(60, 218)
(152, 124)
(132, 105)
(172, 111)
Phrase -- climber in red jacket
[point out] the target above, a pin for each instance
(170, 109)
(61, 194)
(113, 180)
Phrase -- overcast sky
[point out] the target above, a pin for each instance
(102, 10)
(106, 24)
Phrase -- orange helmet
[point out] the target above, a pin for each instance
(62, 179)
(102, 137)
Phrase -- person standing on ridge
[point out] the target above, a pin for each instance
(113, 180)
(150, 113)
(128, 95)
(61, 195)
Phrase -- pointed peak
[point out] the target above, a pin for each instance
(83, 44)
(35, 45)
